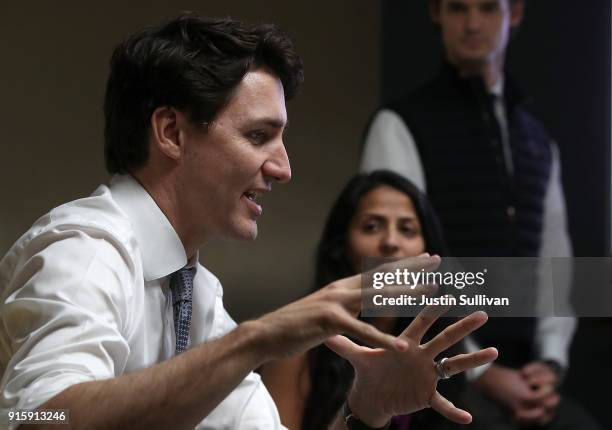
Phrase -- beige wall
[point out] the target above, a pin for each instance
(53, 71)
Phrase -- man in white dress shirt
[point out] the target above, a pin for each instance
(105, 308)
(493, 175)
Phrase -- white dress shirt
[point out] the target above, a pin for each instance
(85, 296)
(390, 145)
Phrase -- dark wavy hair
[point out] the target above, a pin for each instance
(190, 63)
(330, 375)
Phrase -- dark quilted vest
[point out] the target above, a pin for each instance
(484, 211)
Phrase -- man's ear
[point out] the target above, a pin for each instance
(517, 11)
(165, 131)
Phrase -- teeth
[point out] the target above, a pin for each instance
(251, 195)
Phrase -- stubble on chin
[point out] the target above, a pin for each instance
(245, 232)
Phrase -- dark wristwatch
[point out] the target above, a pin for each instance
(354, 423)
(557, 368)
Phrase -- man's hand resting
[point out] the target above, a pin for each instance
(530, 393)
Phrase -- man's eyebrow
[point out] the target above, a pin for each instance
(271, 122)
(456, 4)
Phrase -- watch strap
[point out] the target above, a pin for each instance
(557, 368)
(354, 423)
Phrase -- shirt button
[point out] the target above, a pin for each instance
(511, 211)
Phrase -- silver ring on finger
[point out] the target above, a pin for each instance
(441, 370)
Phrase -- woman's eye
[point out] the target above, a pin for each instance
(258, 137)
(408, 231)
(369, 228)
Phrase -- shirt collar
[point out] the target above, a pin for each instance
(498, 87)
(506, 86)
(160, 247)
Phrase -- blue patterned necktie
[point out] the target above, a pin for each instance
(181, 286)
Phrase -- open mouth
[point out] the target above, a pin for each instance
(251, 195)
(251, 200)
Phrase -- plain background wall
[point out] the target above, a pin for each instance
(561, 57)
(53, 74)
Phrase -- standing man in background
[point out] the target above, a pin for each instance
(493, 175)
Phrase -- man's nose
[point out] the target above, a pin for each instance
(277, 166)
(473, 20)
